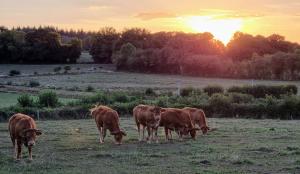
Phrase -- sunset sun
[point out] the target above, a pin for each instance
(222, 29)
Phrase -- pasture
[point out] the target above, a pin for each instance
(237, 146)
(105, 77)
(10, 99)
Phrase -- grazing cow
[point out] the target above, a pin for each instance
(198, 118)
(107, 118)
(147, 117)
(22, 129)
(178, 120)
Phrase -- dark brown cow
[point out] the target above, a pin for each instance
(178, 120)
(107, 118)
(22, 129)
(147, 117)
(198, 118)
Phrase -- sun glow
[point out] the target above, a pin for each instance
(222, 29)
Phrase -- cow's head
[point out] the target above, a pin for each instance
(29, 136)
(119, 136)
(193, 132)
(205, 129)
(156, 115)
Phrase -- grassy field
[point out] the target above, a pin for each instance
(105, 77)
(237, 146)
(10, 99)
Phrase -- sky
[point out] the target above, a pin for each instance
(221, 17)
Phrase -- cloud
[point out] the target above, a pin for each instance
(157, 15)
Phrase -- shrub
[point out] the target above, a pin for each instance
(14, 72)
(150, 91)
(48, 99)
(220, 104)
(9, 83)
(57, 69)
(240, 98)
(89, 89)
(35, 73)
(213, 89)
(120, 97)
(25, 101)
(184, 92)
(67, 68)
(260, 91)
(99, 98)
(34, 84)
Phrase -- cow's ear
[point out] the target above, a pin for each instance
(38, 132)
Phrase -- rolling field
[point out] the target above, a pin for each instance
(10, 99)
(237, 146)
(106, 78)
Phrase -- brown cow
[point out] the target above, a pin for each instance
(147, 117)
(178, 120)
(22, 129)
(198, 118)
(107, 118)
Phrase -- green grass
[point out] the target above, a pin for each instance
(237, 146)
(10, 99)
(107, 78)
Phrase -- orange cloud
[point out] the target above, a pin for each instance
(158, 15)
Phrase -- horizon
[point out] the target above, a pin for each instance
(221, 18)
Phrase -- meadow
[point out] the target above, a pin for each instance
(10, 99)
(105, 77)
(236, 146)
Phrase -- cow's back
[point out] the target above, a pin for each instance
(176, 117)
(142, 114)
(18, 123)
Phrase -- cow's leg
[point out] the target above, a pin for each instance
(30, 153)
(19, 153)
(101, 134)
(156, 135)
(104, 132)
(139, 131)
(149, 134)
(170, 132)
(15, 147)
(166, 133)
(143, 133)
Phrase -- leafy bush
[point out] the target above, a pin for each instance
(240, 98)
(48, 99)
(14, 72)
(213, 89)
(260, 91)
(184, 92)
(34, 83)
(90, 89)
(150, 91)
(25, 101)
(57, 69)
(221, 104)
(120, 97)
(99, 98)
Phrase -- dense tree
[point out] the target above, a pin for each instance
(103, 45)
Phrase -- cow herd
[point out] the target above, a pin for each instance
(184, 121)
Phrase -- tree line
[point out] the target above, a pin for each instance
(139, 50)
(37, 46)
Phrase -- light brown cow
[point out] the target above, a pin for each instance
(22, 129)
(198, 118)
(147, 117)
(107, 118)
(177, 120)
